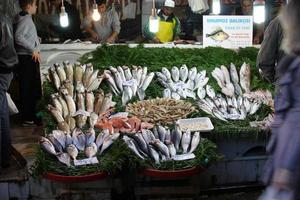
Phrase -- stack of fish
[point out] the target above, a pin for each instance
(128, 82)
(78, 99)
(160, 110)
(236, 104)
(66, 147)
(162, 144)
(265, 124)
(182, 83)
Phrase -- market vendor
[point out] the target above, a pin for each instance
(169, 25)
(107, 28)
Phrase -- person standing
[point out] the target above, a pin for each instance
(27, 45)
(270, 52)
(282, 174)
(8, 59)
(169, 25)
(107, 28)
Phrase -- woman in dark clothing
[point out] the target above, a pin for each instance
(283, 168)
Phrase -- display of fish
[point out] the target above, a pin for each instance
(182, 83)
(168, 144)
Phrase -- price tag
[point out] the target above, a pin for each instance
(86, 161)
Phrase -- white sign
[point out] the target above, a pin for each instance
(227, 31)
(86, 161)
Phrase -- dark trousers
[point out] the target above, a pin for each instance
(5, 139)
(28, 74)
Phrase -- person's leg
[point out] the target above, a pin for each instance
(26, 76)
(5, 130)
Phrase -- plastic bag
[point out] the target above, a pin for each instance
(199, 6)
(11, 105)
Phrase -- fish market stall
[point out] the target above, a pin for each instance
(140, 106)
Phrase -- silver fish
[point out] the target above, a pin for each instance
(63, 126)
(146, 136)
(55, 143)
(89, 101)
(79, 70)
(190, 84)
(64, 158)
(234, 74)
(54, 77)
(176, 136)
(64, 105)
(186, 140)
(175, 96)
(161, 147)
(141, 142)
(96, 83)
(134, 87)
(93, 119)
(234, 102)
(72, 151)
(56, 113)
(118, 79)
(107, 103)
(184, 157)
(92, 78)
(98, 100)
(101, 136)
(201, 93)
(218, 115)
(87, 74)
(153, 154)
(247, 105)
(56, 103)
(166, 72)
(201, 83)
(167, 93)
(69, 70)
(90, 136)
(127, 73)
(195, 142)
(225, 74)
(183, 73)
(60, 137)
(181, 92)
(143, 77)
(132, 146)
(80, 120)
(237, 89)
(161, 76)
(192, 73)
(90, 150)
(69, 139)
(210, 92)
(79, 139)
(190, 93)
(219, 77)
(121, 72)
(108, 141)
(172, 149)
(70, 103)
(245, 77)
(147, 81)
(47, 145)
(80, 101)
(60, 72)
(127, 94)
(110, 79)
(175, 74)
(69, 86)
(79, 87)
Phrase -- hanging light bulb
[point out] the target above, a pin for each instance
(63, 16)
(216, 7)
(259, 11)
(96, 15)
(153, 20)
